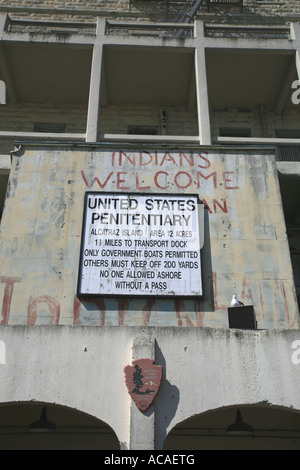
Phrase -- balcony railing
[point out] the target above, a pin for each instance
(238, 3)
(136, 28)
(246, 32)
(17, 25)
(288, 153)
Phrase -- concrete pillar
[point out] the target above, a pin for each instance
(142, 423)
(295, 36)
(298, 62)
(201, 86)
(3, 22)
(95, 82)
(2, 92)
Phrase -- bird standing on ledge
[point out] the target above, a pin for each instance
(235, 302)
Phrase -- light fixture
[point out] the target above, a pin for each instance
(42, 425)
(239, 428)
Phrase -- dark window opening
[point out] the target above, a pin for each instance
(287, 133)
(143, 130)
(234, 132)
(51, 127)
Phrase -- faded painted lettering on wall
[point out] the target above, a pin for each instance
(245, 248)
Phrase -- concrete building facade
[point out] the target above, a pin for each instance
(155, 101)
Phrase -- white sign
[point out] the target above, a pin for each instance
(138, 244)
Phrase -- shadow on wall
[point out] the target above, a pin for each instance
(166, 402)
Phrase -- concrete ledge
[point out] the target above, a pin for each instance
(5, 162)
(255, 140)
(203, 369)
(289, 168)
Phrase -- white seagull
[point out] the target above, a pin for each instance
(235, 302)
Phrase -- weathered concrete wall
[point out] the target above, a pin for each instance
(203, 369)
(245, 248)
(285, 7)
(253, 120)
(23, 117)
(115, 119)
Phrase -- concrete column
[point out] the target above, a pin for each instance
(95, 83)
(3, 22)
(295, 36)
(298, 62)
(142, 423)
(201, 86)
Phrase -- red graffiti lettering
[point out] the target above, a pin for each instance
(156, 179)
(291, 319)
(181, 315)
(144, 158)
(285, 303)
(52, 304)
(199, 313)
(138, 185)
(76, 311)
(212, 175)
(246, 295)
(99, 303)
(90, 185)
(177, 179)
(123, 155)
(206, 206)
(207, 162)
(168, 158)
(142, 162)
(120, 181)
(8, 292)
(227, 180)
(123, 305)
(147, 311)
(188, 159)
(223, 207)
(214, 294)
(262, 303)
(216, 205)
